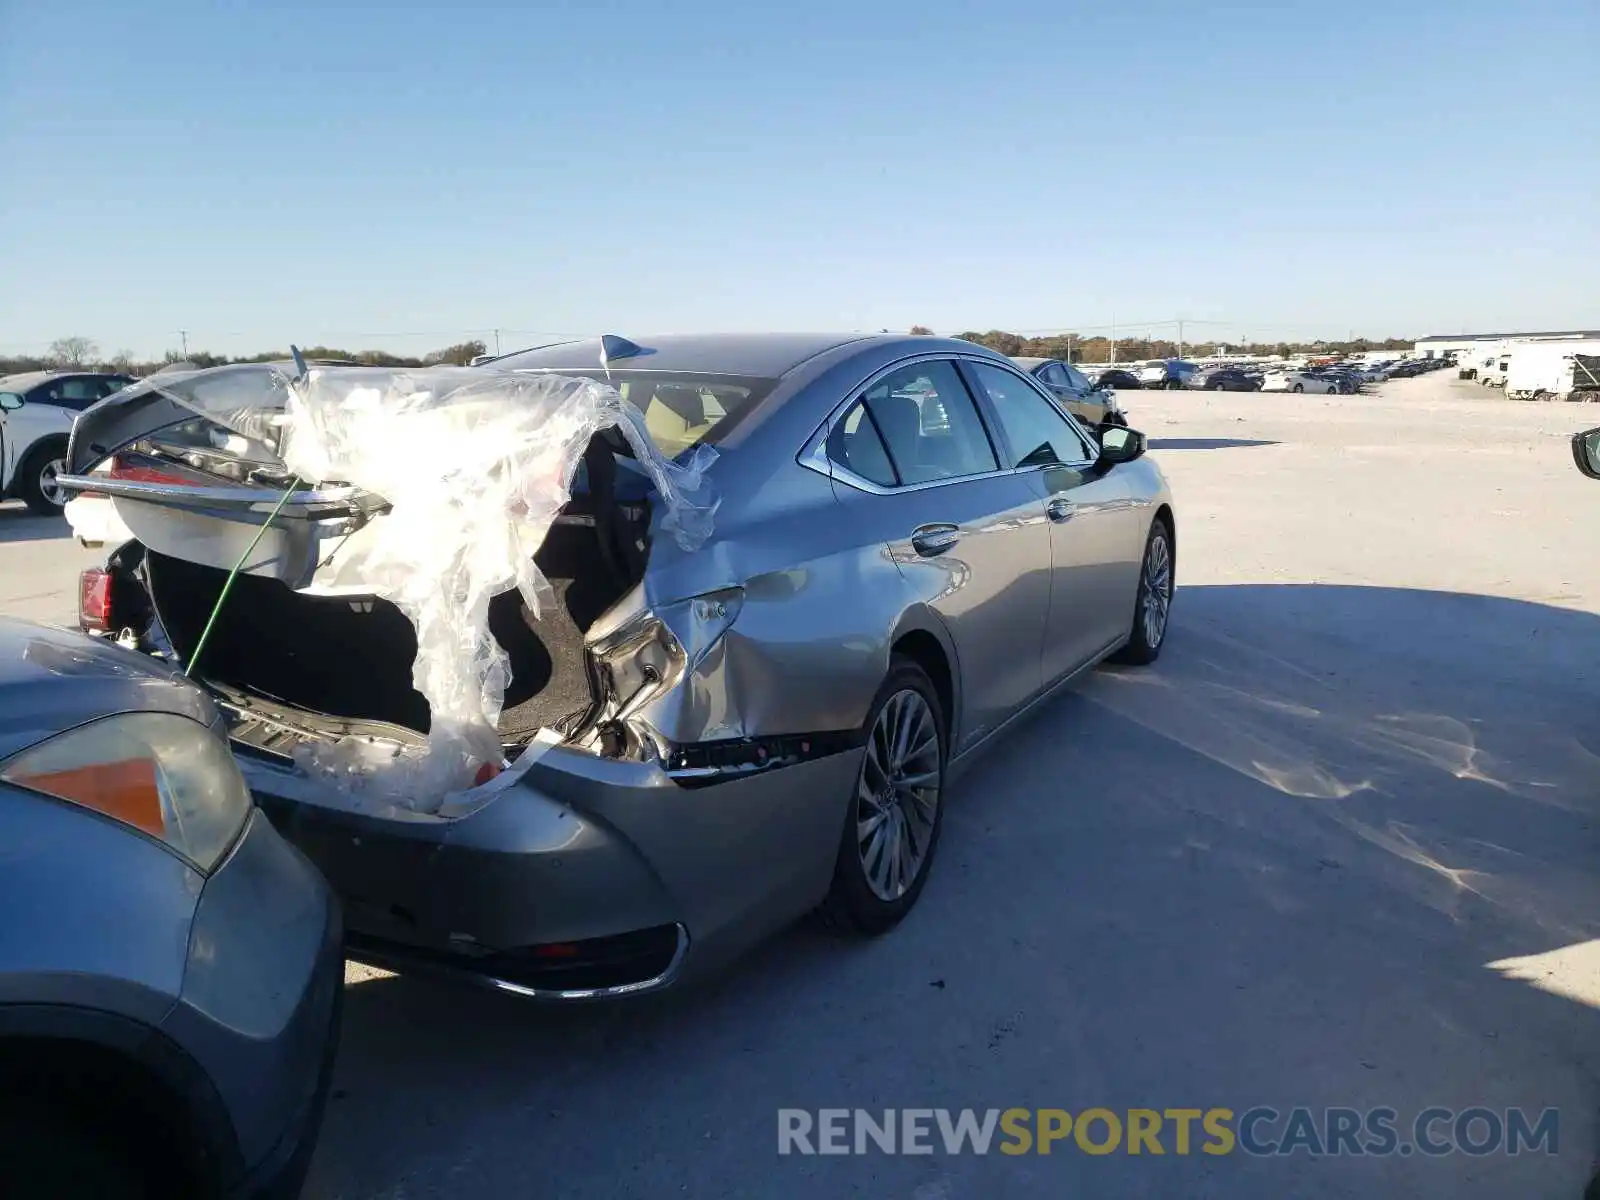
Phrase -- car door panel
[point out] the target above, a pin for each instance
(977, 553)
(1089, 514)
(915, 471)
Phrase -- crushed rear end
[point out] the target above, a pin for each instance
(419, 598)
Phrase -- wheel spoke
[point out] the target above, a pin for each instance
(920, 780)
(866, 825)
(875, 857)
(902, 733)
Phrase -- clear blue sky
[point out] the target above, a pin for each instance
(392, 176)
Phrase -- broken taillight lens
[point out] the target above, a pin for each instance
(121, 468)
(94, 600)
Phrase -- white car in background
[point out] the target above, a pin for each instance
(1283, 380)
(37, 409)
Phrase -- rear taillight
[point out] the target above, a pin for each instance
(94, 600)
(122, 469)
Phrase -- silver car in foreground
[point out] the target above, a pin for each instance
(914, 544)
(170, 969)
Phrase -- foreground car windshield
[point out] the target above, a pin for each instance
(683, 410)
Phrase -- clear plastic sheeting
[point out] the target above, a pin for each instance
(476, 465)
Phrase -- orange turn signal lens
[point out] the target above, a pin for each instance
(125, 790)
(160, 773)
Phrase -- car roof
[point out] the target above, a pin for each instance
(1030, 363)
(28, 379)
(32, 379)
(763, 355)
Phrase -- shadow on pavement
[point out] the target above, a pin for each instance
(17, 524)
(1329, 851)
(1206, 443)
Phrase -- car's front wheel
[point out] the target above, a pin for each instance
(1299, 387)
(891, 828)
(37, 479)
(47, 1156)
(1154, 601)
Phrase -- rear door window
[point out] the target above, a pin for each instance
(854, 444)
(929, 424)
(76, 394)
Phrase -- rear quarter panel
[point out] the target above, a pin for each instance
(810, 645)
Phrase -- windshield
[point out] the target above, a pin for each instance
(683, 410)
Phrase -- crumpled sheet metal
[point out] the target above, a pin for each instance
(475, 465)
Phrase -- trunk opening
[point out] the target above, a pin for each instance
(351, 657)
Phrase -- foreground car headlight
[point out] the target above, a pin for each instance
(167, 776)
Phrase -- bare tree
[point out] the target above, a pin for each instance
(72, 351)
(921, 330)
(122, 362)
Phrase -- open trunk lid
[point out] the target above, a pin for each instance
(432, 489)
(197, 469)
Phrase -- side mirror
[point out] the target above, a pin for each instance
(1586, 452)
(1121, 445)
(10, 402)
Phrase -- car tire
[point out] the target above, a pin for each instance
(1217, 387)
(1152, 605)
(871, 900)
(36, 475)
(47, 1157)
(1299, 387)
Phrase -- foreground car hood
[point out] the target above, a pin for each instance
(52, 679)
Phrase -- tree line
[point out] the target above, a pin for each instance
(83, 354)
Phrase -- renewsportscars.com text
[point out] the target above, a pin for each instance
(1259, 1131)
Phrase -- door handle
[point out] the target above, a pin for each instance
(935, 539)
(1060, 509)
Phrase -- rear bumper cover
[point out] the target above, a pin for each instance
(584, 853)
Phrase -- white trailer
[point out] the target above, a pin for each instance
(1551, 370)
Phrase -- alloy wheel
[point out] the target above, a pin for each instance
(49, 487)
(1157, 599)
(897, 796)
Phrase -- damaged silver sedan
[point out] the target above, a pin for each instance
(781, 589)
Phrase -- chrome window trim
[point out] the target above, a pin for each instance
(814, 454)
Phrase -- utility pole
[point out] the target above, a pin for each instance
(497, 342)
(1180, 337)
(1069, 347)
(184, 334)
(1113, 357)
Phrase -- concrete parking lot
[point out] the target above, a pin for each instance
(1337, 848)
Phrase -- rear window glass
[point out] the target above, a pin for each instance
(682, 411)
